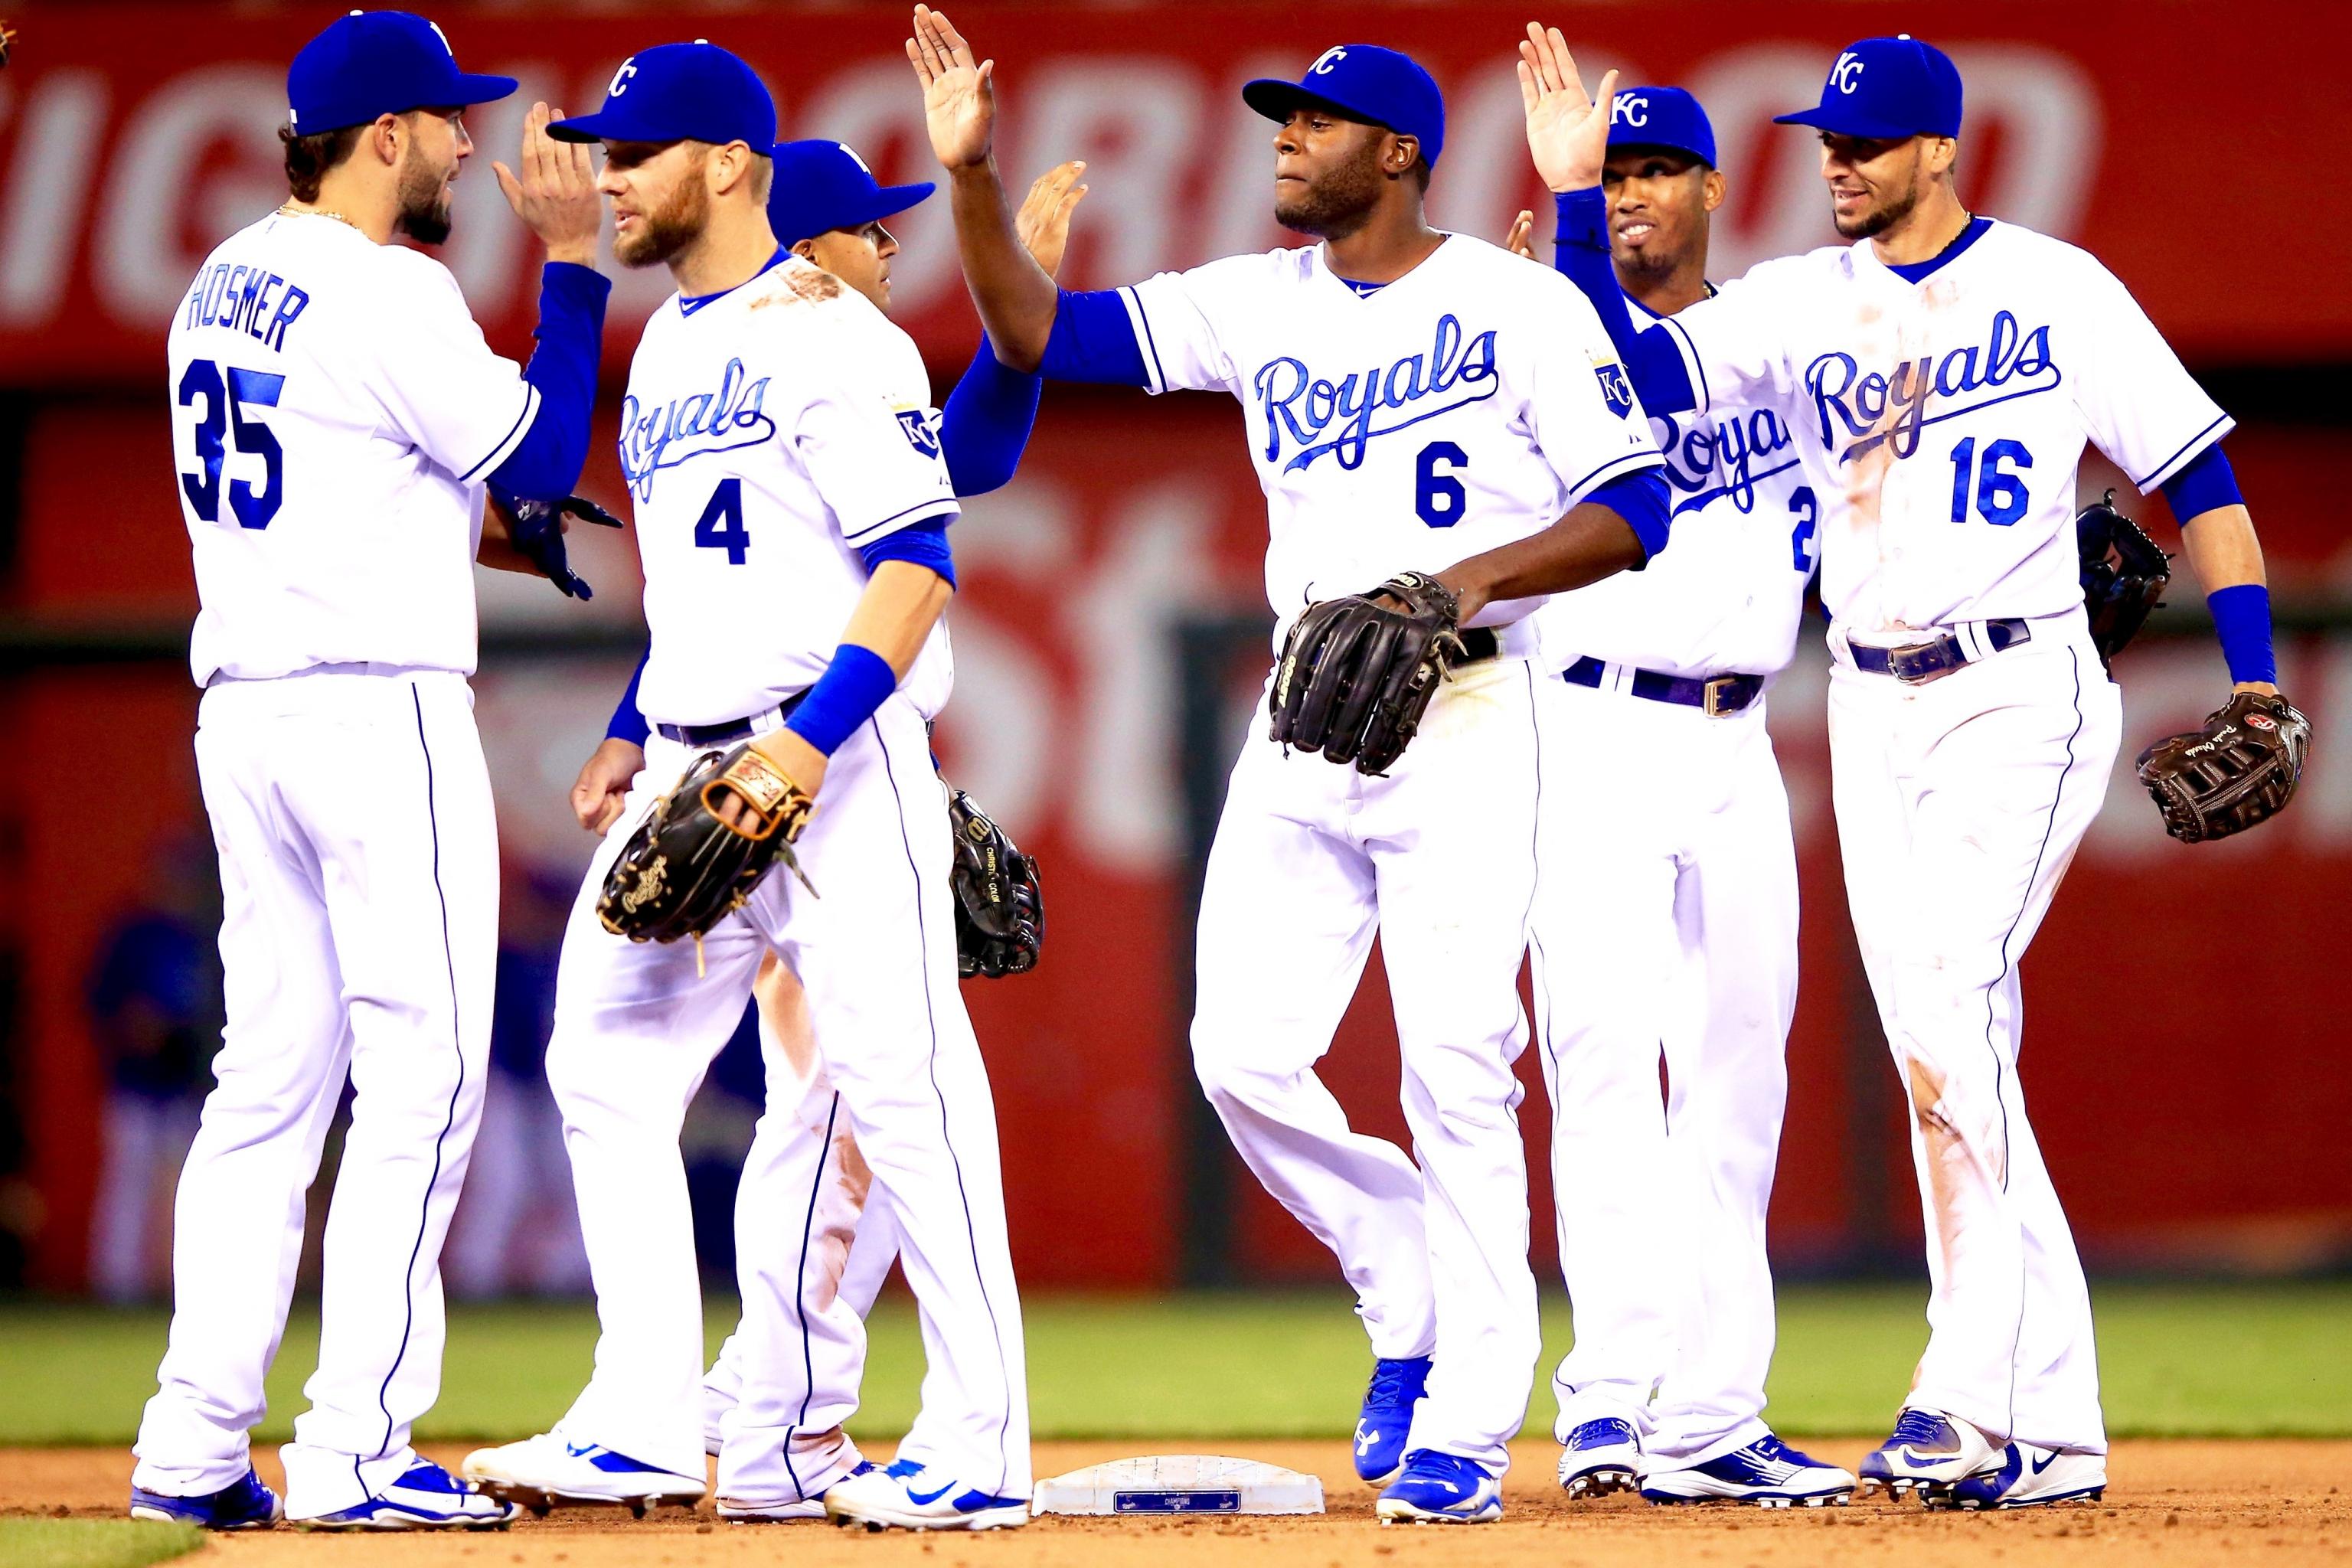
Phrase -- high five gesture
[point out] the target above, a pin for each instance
(1567, 132)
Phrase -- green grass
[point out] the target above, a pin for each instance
(2210, 1360)
(92, 1542)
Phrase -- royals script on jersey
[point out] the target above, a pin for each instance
(767, 433)
(1728, 598)
(1942, 420)
(1470, 403)
(334, 414)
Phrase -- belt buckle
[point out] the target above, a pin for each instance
(1713, 693)
(1901, 666)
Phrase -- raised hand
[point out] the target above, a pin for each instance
(556, 194)
(1519, 241)
(1042, 223)
(1567, 132)
(959, 97)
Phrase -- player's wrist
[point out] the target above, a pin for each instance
(578, 252)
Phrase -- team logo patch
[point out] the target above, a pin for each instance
(921, 430)
(2260, 722)
(1616, 389)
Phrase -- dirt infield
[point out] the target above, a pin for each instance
(2268, 1504)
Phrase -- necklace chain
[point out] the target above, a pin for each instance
(290, 210)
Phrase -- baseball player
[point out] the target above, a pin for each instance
(792, 509)
(1690, 894)
(336, 416)
(1414, 398)
(1939, 378)
(826, 205)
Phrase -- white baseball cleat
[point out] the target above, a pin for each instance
(552, 1471)
(1767, 1473)
(1928, 1453)
(907, 1496)
(1600, 1457)
(2030, 1477)
(424, 1497)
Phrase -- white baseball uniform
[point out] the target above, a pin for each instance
(767, 433)
(336, 410)
(1941, 417)
(1666, 916)
(1470, 403)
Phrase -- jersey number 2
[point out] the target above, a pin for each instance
(1807, 510)
(224, 405)
(721, 527)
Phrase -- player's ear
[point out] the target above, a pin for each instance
(1402, 152)
(1943, 151)
(1714, 188)
(384, 136)
(805, 249)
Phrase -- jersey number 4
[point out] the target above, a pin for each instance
(225, 405)
(720, 526)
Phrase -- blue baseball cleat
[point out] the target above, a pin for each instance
(1386, 1421)
(1600, 1457)
(424, 1497)
(2030, 1477)
(243, 1504)
(1767, 1472)
(1440, 1488)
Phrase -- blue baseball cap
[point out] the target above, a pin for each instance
(1662, 117)
(676, 92)
(822, 185)
(1887, 89)
(1362, 81)
(372, 63)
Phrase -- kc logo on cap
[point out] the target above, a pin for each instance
(1327, 59)
(1843, 74)
(1631, 109)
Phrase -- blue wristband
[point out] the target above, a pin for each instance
(853, 686)
(2241, 619)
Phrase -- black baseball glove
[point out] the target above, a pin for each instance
(1000, 911)
(536, 529)
(1356, 673)
(2241, 768)
(2123, 575)
(686, 867)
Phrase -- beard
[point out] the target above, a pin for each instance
(1880, 218)
(1338, 203)
(424, 201)
(663, 233)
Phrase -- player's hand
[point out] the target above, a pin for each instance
(1567, 132)
(603, 786)
(795, 758)
(1519, 241)
(959, 97)
(556, 194)
(1042, 224)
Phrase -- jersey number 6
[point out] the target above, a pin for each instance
(224, 406)
(1440, 498)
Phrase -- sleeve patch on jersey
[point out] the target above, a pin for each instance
(1616, 388)
(922, 428)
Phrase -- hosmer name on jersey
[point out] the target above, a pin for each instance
(1861, 402)
(694, 426)
(1731, 446)
(245, 299)
(1301, 406)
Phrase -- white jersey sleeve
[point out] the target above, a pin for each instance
(2139, 404)
(1735, 346)
(435, 379)
(870, 439)
(1588, 423)
(1175, 316)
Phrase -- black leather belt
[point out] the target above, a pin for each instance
(1716, 697)
(727, 731)
(1940, 655)
(1478, 643)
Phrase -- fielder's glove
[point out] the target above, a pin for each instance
(686, 868)
(536, 529)
(1000, 911)
(2239, 770)
(2123, 575)
(1355, 674)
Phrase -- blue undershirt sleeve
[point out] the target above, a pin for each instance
(1094, 340)
(1641, 499)
(628, 720)
(2204, 482)
(1581, 253)
(545, 464)
(985, 425)
(921, 543)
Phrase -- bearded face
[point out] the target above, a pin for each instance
(658, 232)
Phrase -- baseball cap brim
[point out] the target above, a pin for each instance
(1845, 123)
(473, 88)
(1276, 99)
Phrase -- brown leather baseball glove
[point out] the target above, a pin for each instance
(2240, 770)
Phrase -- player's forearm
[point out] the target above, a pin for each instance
(1016, 299)
(2228, 561)
(895, 616)
(2223, 549)
(1587, 544)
